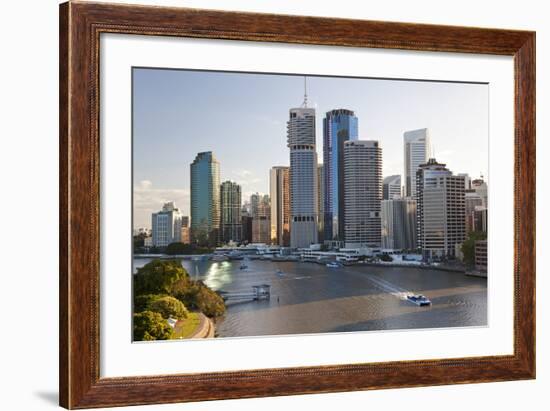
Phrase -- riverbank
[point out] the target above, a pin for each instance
(411, 264)
(197, 325)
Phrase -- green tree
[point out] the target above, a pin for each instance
(158, 277)
(181, 248)
(150, 326)
(196, 295)
(142, 301)
(169, 307)
(167, 278)
(468, 246)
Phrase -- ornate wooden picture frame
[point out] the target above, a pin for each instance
(81, 24)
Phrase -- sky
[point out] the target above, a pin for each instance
(241, 117)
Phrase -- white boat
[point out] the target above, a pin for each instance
(419, 300)
(334, 264)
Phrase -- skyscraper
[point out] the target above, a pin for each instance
(363, 193)
(471, 201)
(480, 187)
(399, 223)
(321, 200)
(303, 176)
(279, 190)
(440, 210)
(230, 200)
(246, 221)
(391, 187)
(417, 151)
(339, 126)
(467, 181)
(166, 225)
(261, 218)
(205, 199)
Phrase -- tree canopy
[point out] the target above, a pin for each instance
(150, 326)
(181, 248)
(469, 246)
(169, 307)
(196, 295)
(158, 277)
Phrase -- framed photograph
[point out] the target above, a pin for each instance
(259, 205)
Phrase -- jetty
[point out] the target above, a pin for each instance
(258, 292)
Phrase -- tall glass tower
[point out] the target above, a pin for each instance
(303, 176)
(231, 226)
(339, 126)
(205, 199)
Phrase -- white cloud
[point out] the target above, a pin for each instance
(242, 173)
(149, 199)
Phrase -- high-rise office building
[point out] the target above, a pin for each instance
(391, 187)
(399, 223)
(480, 219)
(321, 201)
(480, 187)
(417, 151)
(363, 193)
(440, 210)
(261, 218)
(303, 176)
(339, 126)
(166, 225)
(471, 201)
(467, 181)
(205, 199)
(230, 203)
(246, 222)
(279, 191)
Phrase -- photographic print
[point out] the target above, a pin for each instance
(280, 204)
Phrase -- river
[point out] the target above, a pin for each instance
(312, 298)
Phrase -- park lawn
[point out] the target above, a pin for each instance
(187, 327)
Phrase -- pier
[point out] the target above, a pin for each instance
(258, 292)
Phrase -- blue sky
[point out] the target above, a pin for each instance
(241, 117)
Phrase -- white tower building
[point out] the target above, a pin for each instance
(440, 210)
(166, 225)
(417, 151)
(303, 176)
(362, 193)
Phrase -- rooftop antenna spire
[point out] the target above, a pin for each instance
(304, 104)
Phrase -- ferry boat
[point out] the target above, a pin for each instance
(419, 299)
(334, 264)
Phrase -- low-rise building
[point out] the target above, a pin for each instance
(481, 255)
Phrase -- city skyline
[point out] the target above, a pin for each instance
(177, 141)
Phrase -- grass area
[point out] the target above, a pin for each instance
(185, 328)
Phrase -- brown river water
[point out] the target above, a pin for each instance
(312, 298)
